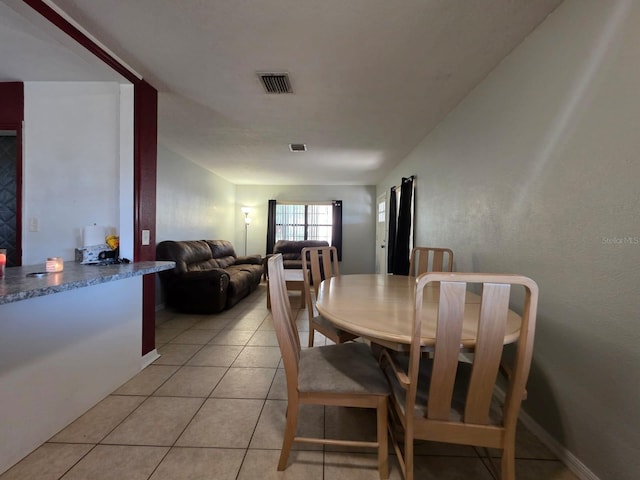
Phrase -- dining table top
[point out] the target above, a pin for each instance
(379, 307)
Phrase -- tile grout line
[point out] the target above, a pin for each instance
(255, 427)
(228, 368)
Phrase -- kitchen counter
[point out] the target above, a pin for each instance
(15, 285)
(67, 340)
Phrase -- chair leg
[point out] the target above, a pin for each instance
(508, 463)
(377, 350)
(312, 334)
(383, 445)
(408, 454)
(289, 434)
(395, 432)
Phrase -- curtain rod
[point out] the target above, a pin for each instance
(293, 202)
(395, 187)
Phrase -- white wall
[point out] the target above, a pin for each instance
(192, 203)
(358, 218)
(60, 355)
(74, 145)
(126, 172)
(536, 172)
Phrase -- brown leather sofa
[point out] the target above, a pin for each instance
(209, 277)
(291, 251)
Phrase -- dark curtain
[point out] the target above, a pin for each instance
(391, 242)
(403, 236)
(336, 234)
(271, 226)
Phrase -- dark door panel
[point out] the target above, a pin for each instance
(9, 208)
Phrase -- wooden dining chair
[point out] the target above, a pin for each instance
(446, 400)
(430, 259)
(319, 263)
(345, 375)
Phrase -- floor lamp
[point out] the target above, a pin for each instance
(247, 222)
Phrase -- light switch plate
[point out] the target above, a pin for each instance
(146, 237)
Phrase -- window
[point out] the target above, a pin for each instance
(381, 211)
(305, 221)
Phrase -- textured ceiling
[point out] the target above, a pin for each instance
(370, 77)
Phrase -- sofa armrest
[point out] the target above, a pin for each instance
(265, 265)
(249, 260)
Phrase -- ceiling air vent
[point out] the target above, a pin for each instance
(297, 147)
(275, 82)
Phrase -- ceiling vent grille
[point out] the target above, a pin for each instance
(297, 147)
(275, 82)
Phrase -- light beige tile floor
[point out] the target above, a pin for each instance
(212, 407)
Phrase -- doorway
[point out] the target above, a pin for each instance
(381, 234)
(10, 196)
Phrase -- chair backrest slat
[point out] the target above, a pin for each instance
(438, 260)
(283, 319)
(448, 335)
(318, 263)
(430, 259)
(329, 265)
(423, 262)
(488, 352)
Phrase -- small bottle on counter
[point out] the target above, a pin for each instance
(54, 264)
(3, 260)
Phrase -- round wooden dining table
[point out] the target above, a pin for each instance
(380, 308)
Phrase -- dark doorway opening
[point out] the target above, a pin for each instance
(10, 198)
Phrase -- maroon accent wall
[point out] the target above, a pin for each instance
(145, 173)
(145, 159)
(11, 118)
(12, 104)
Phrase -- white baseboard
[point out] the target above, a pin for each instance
(565, 456)
(568, 458)
(149, 358)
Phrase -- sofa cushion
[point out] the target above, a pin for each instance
(294, 264)
(249, 260)
(243, 279)
(222, 252)
(292, 249)
(221, 248)
(225, 262)
(190, 255)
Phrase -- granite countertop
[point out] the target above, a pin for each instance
(16, 286)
